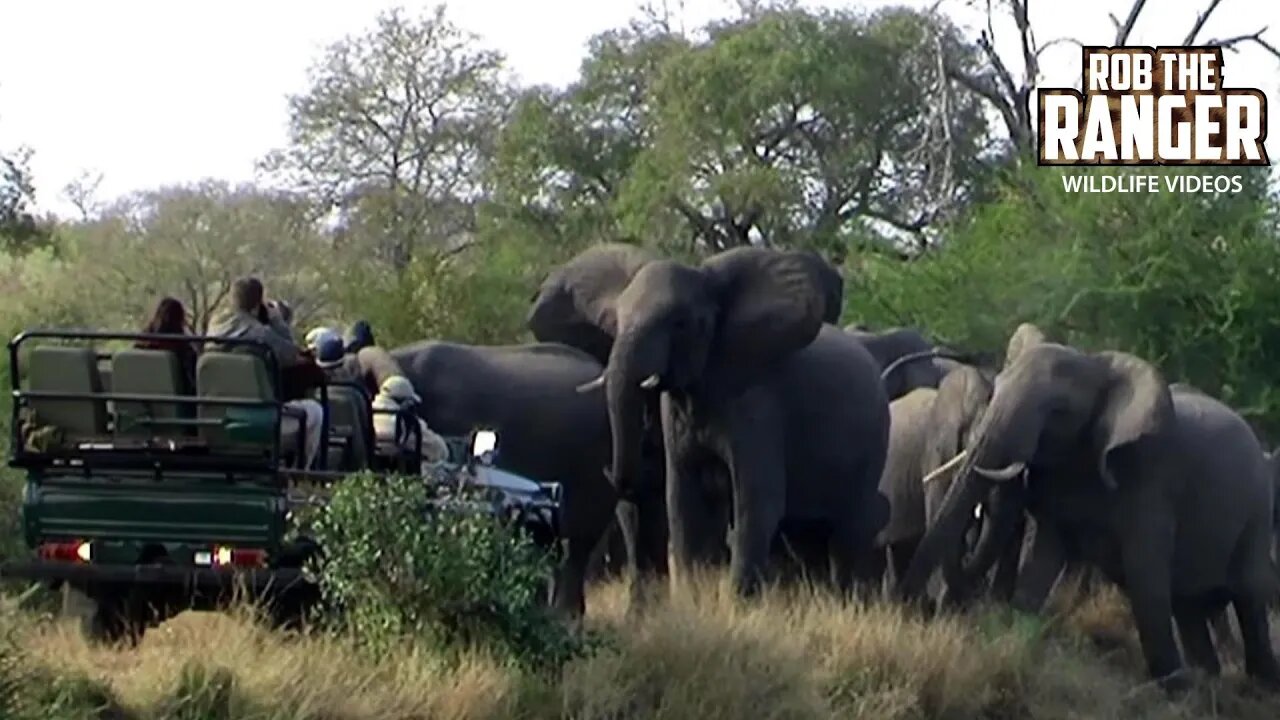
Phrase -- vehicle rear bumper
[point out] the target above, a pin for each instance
(202, 579)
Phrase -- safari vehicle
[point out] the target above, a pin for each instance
(141, 502)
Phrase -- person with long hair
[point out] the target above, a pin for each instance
(170, 318)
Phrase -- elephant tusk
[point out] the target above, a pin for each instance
(650, 382)
(948, 465)
(587, 387)
(1005, 473)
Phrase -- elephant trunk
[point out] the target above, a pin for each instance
(973, 484)
(1004, 507)
(631, 374)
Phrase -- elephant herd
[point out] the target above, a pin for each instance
(716, 414)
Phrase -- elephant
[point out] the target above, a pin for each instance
(907, 359)
(1164, 489)
(1273, 461)
(546, 431)
(774, 422)
(928, 427)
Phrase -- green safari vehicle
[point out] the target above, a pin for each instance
(141, 502)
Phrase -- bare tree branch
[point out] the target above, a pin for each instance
(1201, 19)
(1124, 30)
(1233, 43)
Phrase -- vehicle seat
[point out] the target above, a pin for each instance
(349, 420)
(104, 372)
(240, 376)
(148, 372)
(56, 368)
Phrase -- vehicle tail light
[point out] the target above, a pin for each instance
(239, 557)
(75, 551)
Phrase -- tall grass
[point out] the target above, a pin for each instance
(700, 654)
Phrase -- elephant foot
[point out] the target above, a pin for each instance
(1176, 684)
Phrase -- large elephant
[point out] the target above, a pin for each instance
(772, 420)
(908, 360)
(546, 430)
(1165, 490)
(929, 427)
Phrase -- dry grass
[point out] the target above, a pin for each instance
(701, 655)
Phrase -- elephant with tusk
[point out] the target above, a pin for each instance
(774, 421)
(1164, 489)
(929, 431)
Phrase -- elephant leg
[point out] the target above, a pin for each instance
(584, 527)
(1255, 631)
(1146, 551)
(758, 480)
(1224, 636)
(692, 517)
(603, 558)
(1193, 627)
(900, 554)
(1005, 581)
(1045, 562)
(642, 526)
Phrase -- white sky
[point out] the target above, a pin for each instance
(150, 92)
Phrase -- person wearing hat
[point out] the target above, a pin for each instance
(396, 394)
(312, 340)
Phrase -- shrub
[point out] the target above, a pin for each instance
(458, 579)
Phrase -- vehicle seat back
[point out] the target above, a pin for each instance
(147, 372)
(349, 418)
(233, 375)
(57, 368)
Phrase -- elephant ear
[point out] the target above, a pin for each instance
(962, 398)
(771, 304)
(1136, 404)
(575, 303)
(1025, 336)
(832, 285)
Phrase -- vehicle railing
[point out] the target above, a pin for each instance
(414, 429)
(328, 422)
(128, 453)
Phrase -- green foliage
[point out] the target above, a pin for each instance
(786, 124)
(1188, 282)
(457, 579)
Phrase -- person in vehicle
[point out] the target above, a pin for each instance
(329, 350)
(397, 394)
(360, 336)
(249, 319)
(170, 318)
(313, 336)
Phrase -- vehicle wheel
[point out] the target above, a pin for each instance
(104, 615)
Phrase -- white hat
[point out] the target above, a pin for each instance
(312, 340)
(398, 388)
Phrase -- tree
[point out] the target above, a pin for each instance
(783, 126)
(20, 230)
(82, 192)
(565, 155)
(192, 242)
(394, 129)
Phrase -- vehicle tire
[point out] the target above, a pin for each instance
(104, 615)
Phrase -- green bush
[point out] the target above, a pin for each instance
(1188, 282)
(457, 579)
